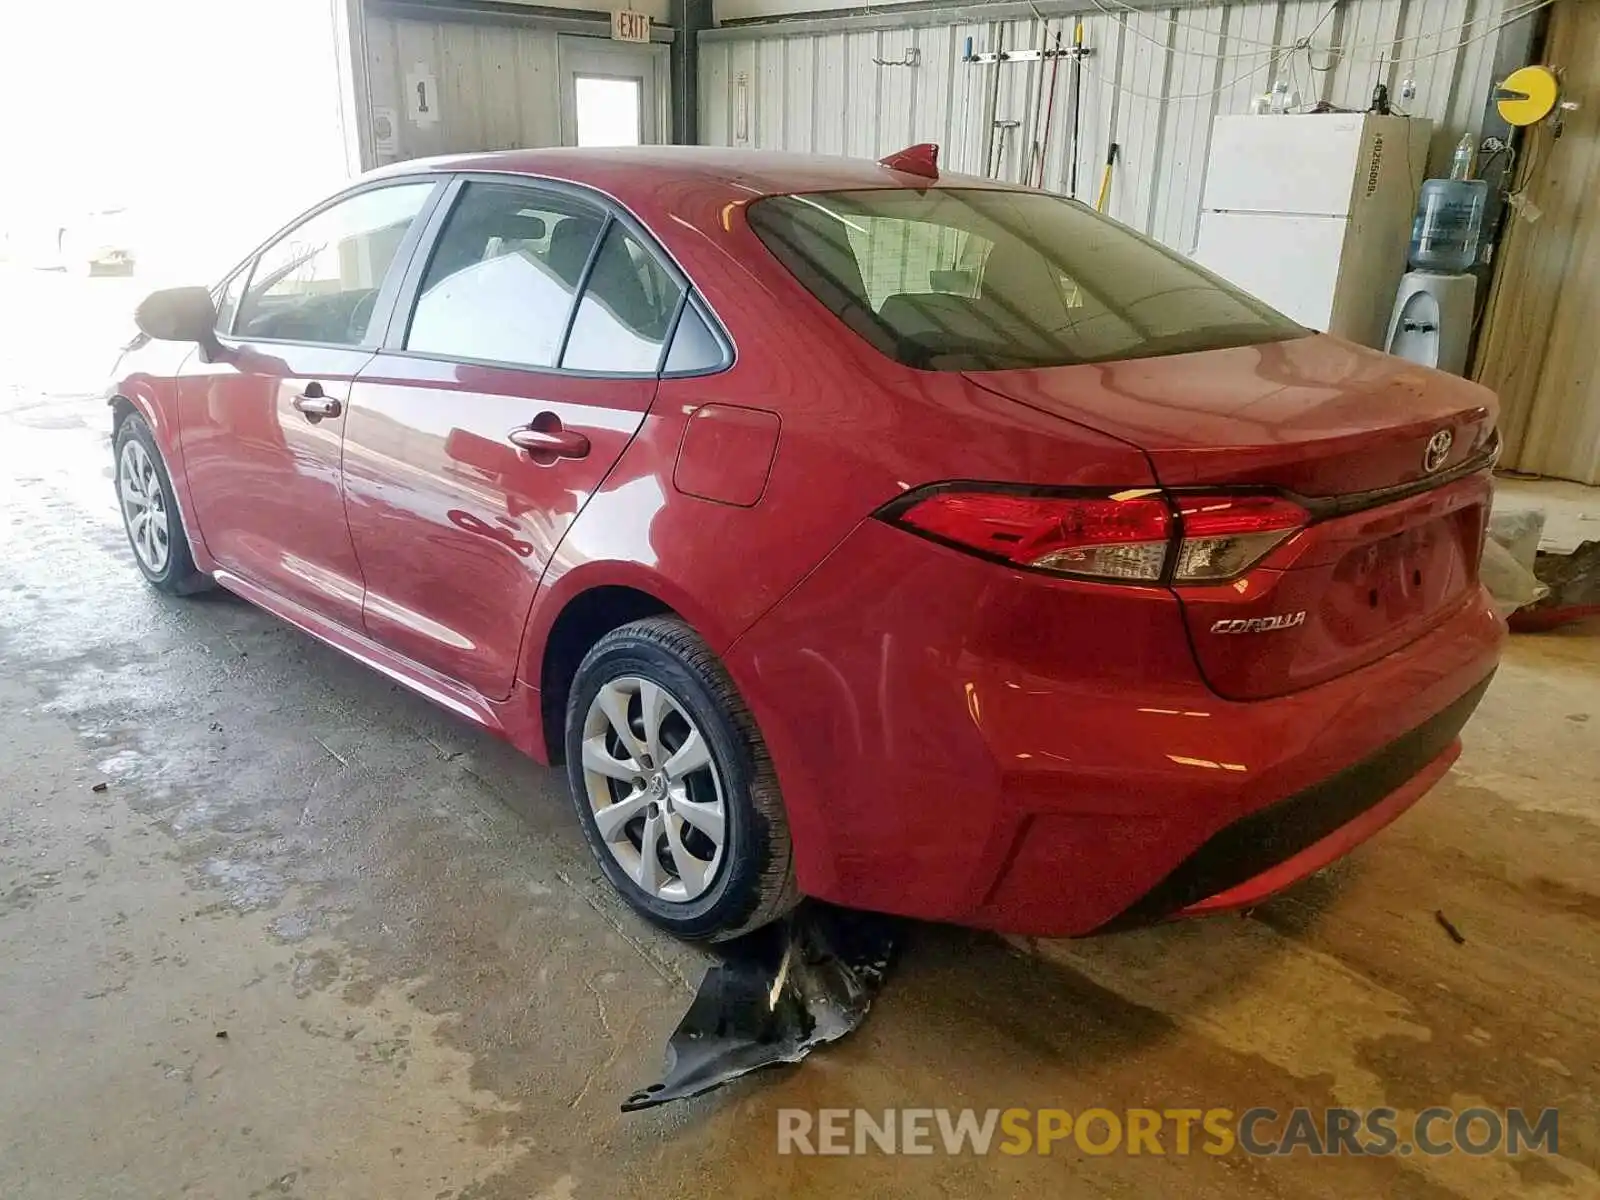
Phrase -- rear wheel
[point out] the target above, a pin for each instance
(673, 785)
(150, 513)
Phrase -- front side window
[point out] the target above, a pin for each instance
(626, 311)
(501, 281)
(228, 300)
(320, 281)
(980, 280)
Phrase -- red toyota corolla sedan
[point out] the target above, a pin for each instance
(915, 542)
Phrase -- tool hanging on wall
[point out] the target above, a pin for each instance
(1077, 52)
(1041, 135)
(1044, 143)
(1077, 105)
(993, 110)
(1105, 179)
(999, 160)
(993, 104)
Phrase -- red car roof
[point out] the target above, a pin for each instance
(633, 172)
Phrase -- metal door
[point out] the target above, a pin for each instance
(613, 93)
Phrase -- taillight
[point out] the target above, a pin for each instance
(1224, 536)
(1124, 536)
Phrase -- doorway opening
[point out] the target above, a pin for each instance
(608, 109)
(613, 93)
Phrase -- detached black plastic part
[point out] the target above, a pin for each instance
(779, 994)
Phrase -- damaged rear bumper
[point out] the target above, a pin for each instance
(1263, 853)
(1042, 757)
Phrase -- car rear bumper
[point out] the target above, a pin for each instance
(962, 742)
(1275, 846)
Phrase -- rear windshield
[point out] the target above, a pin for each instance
(985, 280)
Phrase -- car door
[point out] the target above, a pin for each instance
(261, 416)
(521, 359)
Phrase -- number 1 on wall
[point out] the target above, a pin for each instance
(422, 96)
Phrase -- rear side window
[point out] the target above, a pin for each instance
(982, 280)
(320, 281)
(626, 312)
(501, 281)
(694, 347)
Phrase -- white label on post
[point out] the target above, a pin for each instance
(385, 139)
(630, 26)
(422, 96)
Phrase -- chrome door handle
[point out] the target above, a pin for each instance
(315, 405)
(554, 442)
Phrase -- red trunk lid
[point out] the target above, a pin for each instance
(1326, 421)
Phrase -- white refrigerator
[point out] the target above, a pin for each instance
(1312, 213)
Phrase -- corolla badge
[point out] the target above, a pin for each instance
(1261, 624)
(1437, 451)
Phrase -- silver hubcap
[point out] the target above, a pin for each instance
(654, 790)
(144, 507)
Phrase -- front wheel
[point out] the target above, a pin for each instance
(673, 785)
(150, 513)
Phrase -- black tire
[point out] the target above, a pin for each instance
(754, 882)
(179, 576)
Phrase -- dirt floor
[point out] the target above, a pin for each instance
(426, 990)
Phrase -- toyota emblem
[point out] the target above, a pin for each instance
(1438, 450)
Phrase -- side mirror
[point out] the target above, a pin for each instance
(183, 314)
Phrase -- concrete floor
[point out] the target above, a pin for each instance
(1571, 510)
(428, 992)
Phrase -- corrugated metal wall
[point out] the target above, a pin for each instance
(1153, 84)
(498, 84)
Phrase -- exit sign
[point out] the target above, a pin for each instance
(630, 26)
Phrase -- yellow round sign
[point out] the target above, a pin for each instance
(1527, 95)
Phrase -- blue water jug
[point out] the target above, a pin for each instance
(1449, 221)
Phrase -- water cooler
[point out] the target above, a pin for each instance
(1432, 319)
